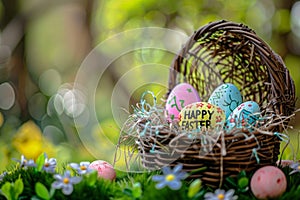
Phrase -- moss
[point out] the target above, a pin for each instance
(137, 186)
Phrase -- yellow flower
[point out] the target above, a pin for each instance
(30, 142)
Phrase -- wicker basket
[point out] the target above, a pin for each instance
(225, 52)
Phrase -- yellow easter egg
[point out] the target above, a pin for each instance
(201, 114)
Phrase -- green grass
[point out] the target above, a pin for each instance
(136, 186)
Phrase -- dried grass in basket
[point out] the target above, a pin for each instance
(220, 52)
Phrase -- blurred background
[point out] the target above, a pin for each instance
(44, 42)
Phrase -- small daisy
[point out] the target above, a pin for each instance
(26, 163)
(65, 182)
(170, 178)
(82, 167)
(221, 195)
(296, 167)
(49, 164)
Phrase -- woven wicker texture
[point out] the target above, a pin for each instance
(225, 52)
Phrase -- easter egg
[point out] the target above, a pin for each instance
(105, 170)
(181, 95)
(244, 115)
(268, 182)
(227, 96)
(200, 114)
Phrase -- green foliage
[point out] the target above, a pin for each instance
(293, 185)
(135, 192)
(128, 186)
(29, 177)
(18, 188)
(150, 192)
(240, 183)
(243, 182)
(194, 188)
(40, 162)
(11, 191)
(102, 189)
(42, 191)
(6, 190)
(92, 178)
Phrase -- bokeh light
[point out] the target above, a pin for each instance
(58, 103)
(7, 96)
(71, 99)
(295, 26)
(295, 16)
(49, 82)
(37, 106)
(53, 134)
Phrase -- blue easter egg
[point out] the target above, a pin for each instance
(244, 115)
(227, 96)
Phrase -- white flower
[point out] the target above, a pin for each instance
(65, 182)
(26, 163)
(221, 195)
(296, 167)
(49, 164)
(82, 168)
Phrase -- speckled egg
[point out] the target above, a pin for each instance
(268, 182)
(244, 115)
(105, 170)
(181, 95)
(227, 96)
(200, 114)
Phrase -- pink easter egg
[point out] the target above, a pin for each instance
(182, 94)
(268, 182)
(105, 170)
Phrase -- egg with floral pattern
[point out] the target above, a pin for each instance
(227, 96)
(245, 115)
(181, 95)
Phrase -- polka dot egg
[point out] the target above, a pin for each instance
(268, 182)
